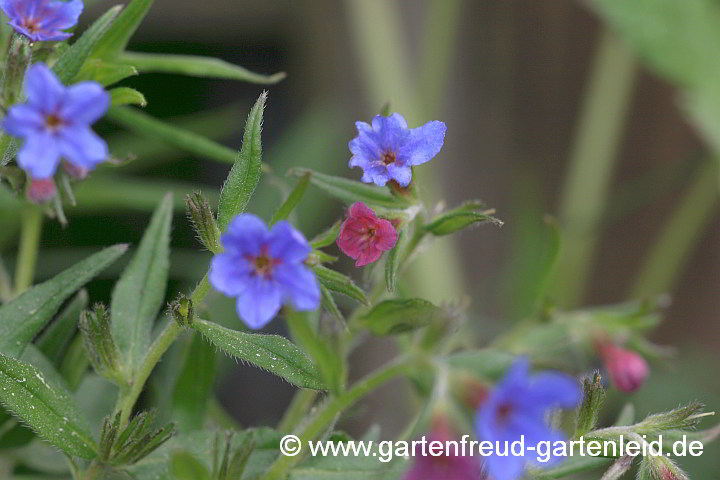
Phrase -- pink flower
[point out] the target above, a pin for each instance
(628, 370)
(363, 236)
(41, 190)
(451, 465)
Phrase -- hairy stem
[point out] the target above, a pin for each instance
(31, 230)
(335, 406)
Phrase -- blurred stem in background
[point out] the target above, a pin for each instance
(30, 231)
(385, 63)
(681, 234)
(593, 157)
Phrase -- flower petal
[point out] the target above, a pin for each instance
(83, 147)
(39, 156)
(299, 285)
(42, 88)
(423, 144)
(400, 173)
(287, 244)
(24, 120)
(551, 389)
(62, 15)
(246, 234)
(229, 274)
(259, 303)
(84, 103)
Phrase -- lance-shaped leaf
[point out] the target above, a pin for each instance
(328, 237)
(116, 38)
(57, 337)
(392, 265)
(350, 191)
(460, 218)
(72, 59)
(49, 410)
(399, 316)
(193, 388)
(126, 96)
(245, 172)
(140, 293)
(337, 282)
(284, 211)
(270, 352)
(147, 126)
(24, 317)
(195, 66)
(105, 73)
(487, 364)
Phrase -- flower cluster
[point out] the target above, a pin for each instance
(42, 20)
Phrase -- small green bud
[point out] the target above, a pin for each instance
(133, 443)
(679, 419)
(182, 311)
(593, 398)
(203, 221)
(18, 61)
(99, 343)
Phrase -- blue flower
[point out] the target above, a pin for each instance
(517, 407)
(388, 149)
(42, 20)
(55, 123)
(264, 269)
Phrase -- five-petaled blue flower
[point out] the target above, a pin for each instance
(264, 268)
(42, 20)
(388, 149)
(517, 407)
(55, 123)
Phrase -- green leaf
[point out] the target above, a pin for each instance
(245, 172)
(392, 265)
(487, 364)
(270, 352)
(195, 66)
(126, 96)
(327, 358)
(50, 411)
(328, 237)
(72, 59)
(193, 388)
(351, 467)
(399, 316)
(184, 466)
(140, 293)
(328, 303)
(284, 211)
(147, 126)
(350, 191)
(24, 317)
(337, 282)
(458, 219)
(57, 337)
(105, 73)
(116, 38)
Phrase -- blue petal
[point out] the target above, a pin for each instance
(229, 274)
(424, 143)
(62, 15)
(551, 389)
(392, 131)
(42, 89)
(24, 120)
(84, 103)
(82, 147)
(246, 234)
(505, 468)
(287, 244)
(259, 303)
(400, 173)
(299, 285)
(39, 156)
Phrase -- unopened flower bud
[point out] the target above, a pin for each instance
(99, 343)
(203, 221)
(628, 370)
(41, 191)
(18, 60)
(182, 311)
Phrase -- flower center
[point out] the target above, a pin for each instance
(503, 412)
(263, 264)
(52, 121)
(388, 158)
(31, 26)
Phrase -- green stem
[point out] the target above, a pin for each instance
(298, 409)
(172, 330)
(5, 283)
(592, 161)
(336, 405)
(680, 235)
(31, 229)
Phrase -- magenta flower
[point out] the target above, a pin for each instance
(451, 465)
(628, 370)
(388, 149)
(55, 123)
(42, 20)
(264, 268)
(41, 191)
(363, 236)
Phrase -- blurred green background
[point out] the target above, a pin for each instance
(549, 111)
